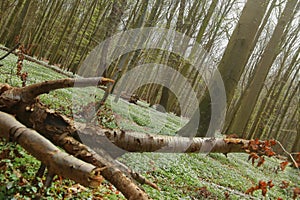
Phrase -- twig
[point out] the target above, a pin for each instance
(290, 155)
(10, 51)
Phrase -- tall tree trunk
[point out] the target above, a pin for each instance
(10, 22)
(232, 108)
(206, 20)
(284, 108)
(18, 25)
(265, 108)
(111, 25)
(165, 96)
(74, 61)
(55, 50)
(47, 26)
(232, 64)
(296, 145)
(249, 99)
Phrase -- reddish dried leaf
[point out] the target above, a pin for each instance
(253, 156)
(283, 165)
(269, 152)
(253, 146)
(204, 192)
(251, 190)
(270, 184)
(263, 186)
(267, 143)
(264, 191)
(227, 196)
(296, 191)
(261, 161)
(272, 142)
(284, 185)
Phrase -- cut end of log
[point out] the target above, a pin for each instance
(105, 81)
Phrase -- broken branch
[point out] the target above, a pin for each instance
(57, 162)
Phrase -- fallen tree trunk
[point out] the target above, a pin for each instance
(60, 130)
(141, 142)
(57, 162)
(22, 103)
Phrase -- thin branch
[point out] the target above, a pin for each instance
(10, 51)
(289, 154)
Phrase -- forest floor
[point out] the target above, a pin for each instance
(180, 176)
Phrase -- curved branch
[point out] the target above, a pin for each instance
(32, 91)
(10, 51)
(11, 96)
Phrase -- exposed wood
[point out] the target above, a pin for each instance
(57, 128)
(57, 162)
(53, 125)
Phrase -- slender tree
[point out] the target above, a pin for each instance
(251, 95)
(233, 62)
(16, 29)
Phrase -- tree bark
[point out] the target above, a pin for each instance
(57, 162)
(15, 32)
(54, 56)
(57, 128)
(249, 99)
(233, 62)
(22, 103)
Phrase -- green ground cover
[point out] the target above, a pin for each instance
(180, 176)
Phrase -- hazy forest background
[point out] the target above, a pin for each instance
(260, 68)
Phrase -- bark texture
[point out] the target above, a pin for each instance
(57, 162)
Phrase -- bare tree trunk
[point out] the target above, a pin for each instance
(12, 18)
(233, 62)
(55, 50)
(31, 111)
(249, 99)
(232, 109)
(18, 25)
(75, 61)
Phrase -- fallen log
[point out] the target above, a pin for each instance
(142, 142)
(60, 130)
(22, 103)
